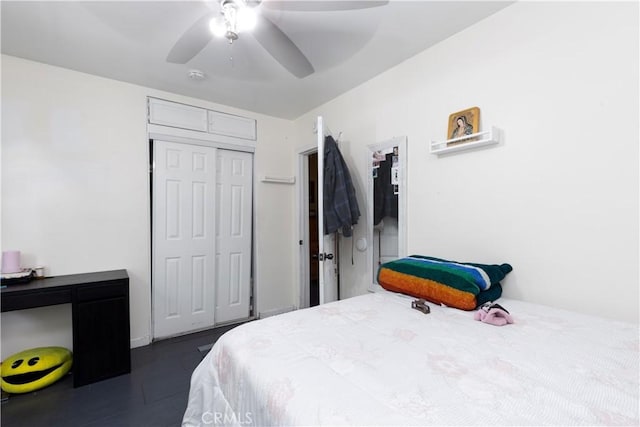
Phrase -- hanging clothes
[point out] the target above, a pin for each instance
(385, 201)
(341, 209)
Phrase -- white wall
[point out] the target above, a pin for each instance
(75, 192)
(559, 198)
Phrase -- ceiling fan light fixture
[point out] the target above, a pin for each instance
(235, 17)
(218, 26)
(246, 19)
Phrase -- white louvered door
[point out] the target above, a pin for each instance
(184, 182)
(234, 185)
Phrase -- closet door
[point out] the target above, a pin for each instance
(234, 195)
(183, 219)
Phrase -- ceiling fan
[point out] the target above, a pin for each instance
(240, 16)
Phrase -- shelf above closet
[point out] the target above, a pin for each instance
(480, 139)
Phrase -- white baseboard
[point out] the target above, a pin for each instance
(140, 341)
(276, 311)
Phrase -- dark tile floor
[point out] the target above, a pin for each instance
(153, 394)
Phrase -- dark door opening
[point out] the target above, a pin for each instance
(314, 264)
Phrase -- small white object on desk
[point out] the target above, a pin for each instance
(22, 274)
(39, 271)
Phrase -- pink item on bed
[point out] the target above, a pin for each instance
(494, 316)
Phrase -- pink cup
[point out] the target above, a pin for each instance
(11, 262)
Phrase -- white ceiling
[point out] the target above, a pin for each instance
(129, 41)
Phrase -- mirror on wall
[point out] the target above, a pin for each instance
(386, 165)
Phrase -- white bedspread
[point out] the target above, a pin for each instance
(372, 360)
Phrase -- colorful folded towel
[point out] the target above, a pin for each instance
(461, 285)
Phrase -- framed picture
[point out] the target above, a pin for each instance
(462, 123)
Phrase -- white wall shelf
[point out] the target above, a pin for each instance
(480, 139)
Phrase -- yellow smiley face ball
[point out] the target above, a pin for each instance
(34, 369)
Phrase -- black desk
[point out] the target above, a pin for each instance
(100, 318)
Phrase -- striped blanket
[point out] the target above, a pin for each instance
(461, 285)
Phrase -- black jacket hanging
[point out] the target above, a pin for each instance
(385, 201)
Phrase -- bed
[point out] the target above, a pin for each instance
(373, 360)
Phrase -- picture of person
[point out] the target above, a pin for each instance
(462, 128)
(462, 124)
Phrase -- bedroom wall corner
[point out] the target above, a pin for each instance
(275, 243)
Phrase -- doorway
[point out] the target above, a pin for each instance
(314, 249)
(310, 200)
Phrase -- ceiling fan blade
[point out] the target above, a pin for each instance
(280, 46)
(321, 5)
(191, 42)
